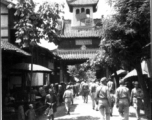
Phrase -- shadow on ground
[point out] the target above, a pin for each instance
(81, 118)
(63, 111)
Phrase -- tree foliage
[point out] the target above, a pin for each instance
(81, 72)
(127, 32)
(35, 25)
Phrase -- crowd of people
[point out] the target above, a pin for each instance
(103, 94)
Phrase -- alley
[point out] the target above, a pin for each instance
(84, 111)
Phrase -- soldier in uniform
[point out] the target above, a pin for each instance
(85, 91)
(103, 98)
(68, 98)
(110, 85)
(93, 87)
(123, 100)
(137, 98)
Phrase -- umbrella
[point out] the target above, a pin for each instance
(27, 67)
(120, 72)
(133, 73)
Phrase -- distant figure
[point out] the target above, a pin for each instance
(137, 99)
(72, 90)
(77, 88)
(112, 102)
(68, 97)
(60, 94)
(42, 93)
(110, 85)
(93, 88)
(30, 113)
(123, 100)
(104, 100)
(51, 102)
(21, 115)
(85, 91)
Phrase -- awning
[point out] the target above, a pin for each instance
(134, 72)
(27, 67)
(120, 72)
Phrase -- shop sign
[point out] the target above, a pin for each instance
(83, 42)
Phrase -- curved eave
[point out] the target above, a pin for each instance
(63, 36)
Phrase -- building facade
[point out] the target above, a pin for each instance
(81, 36)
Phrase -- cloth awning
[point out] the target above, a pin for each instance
(134, 72)
(27, 67)
(120, 72)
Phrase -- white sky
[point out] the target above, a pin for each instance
(103, 8)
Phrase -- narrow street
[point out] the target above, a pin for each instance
(84, 111)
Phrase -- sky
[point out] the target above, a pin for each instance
(102, 8)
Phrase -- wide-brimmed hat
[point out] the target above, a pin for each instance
(104, 79)
(68, 87)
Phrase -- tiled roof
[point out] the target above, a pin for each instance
(81, 32)
(76, 54)
(10, 47)
(82, 2)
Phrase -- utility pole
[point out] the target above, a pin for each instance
(0, 82)
(151, 34)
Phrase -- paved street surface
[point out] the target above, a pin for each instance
(84, 111)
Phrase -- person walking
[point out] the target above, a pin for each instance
(42, 93)
(60, 94)
(51, 102)
(112, 102)
(93, 87)
(103, 99)
(110, 85)
(68, 97)
(123, 100)
(21, 115)
(30, 113)
(137, 99)
(85, 91)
